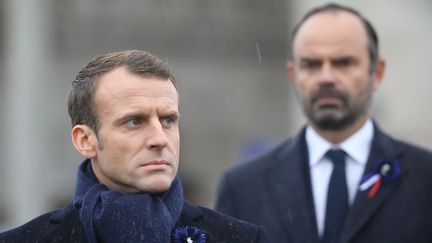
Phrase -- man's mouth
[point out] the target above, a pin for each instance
(328, 97)
(156, 162)
(155, 165)
(328, 102)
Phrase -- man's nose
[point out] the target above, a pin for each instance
(157, 137)
(327, 75)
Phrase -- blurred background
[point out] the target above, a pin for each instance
(229, 58)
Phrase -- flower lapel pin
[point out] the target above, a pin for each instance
(385, 171)
(189, 234)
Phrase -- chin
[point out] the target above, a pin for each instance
(157, 185)
(332, 123)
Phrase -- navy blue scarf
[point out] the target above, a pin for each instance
(112, 216)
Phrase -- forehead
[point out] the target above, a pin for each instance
(120, 88)
(331, 31)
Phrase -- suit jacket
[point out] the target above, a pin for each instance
(65, 226)
(275, 191)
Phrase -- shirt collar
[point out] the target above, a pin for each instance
(317, 146)
(357, 146)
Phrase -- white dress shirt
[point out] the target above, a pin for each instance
(357, 148)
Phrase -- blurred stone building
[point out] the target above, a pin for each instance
(229, 57)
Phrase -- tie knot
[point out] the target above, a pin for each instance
(337, 156)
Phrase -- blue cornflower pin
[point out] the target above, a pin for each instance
(189, 234)
(385, 171)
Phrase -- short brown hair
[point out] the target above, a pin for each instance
(81, 103)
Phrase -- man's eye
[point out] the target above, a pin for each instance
(133, 122)
(167, 121)
(345, 62)
(309, 64)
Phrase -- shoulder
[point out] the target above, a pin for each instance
(31, 231)
(258, 165)
(245, 179)
(411, 148)
(219, 227)
(390, 144)
(414, 149)
(411, 152)
(416, 158)
(57, 226)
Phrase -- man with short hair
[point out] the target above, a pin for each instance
(125, 118)
(341, 179)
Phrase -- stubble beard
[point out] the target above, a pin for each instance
(336, 117)
(333, 119)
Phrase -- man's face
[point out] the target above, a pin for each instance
(331, 70)
(138, 141)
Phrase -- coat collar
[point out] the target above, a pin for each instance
(189, 214)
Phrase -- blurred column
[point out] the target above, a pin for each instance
(26, 54)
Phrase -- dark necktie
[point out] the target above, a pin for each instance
(337, 198)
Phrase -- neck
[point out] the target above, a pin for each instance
(338, 136)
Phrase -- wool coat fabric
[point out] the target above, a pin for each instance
(275, 191)
(64, 225)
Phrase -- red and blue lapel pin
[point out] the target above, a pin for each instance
(385, 171)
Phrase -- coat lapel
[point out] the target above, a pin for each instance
(290, 188)
(189, 214)
(364, 207)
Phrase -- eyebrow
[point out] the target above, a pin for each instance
(344, 57)
(317, 59)
(309, 59)
(172, 114)
(134, 115)
(144, 116)
(176, 113)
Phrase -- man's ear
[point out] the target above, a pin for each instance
(290, 71)
(84, 140)
(379, 73)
